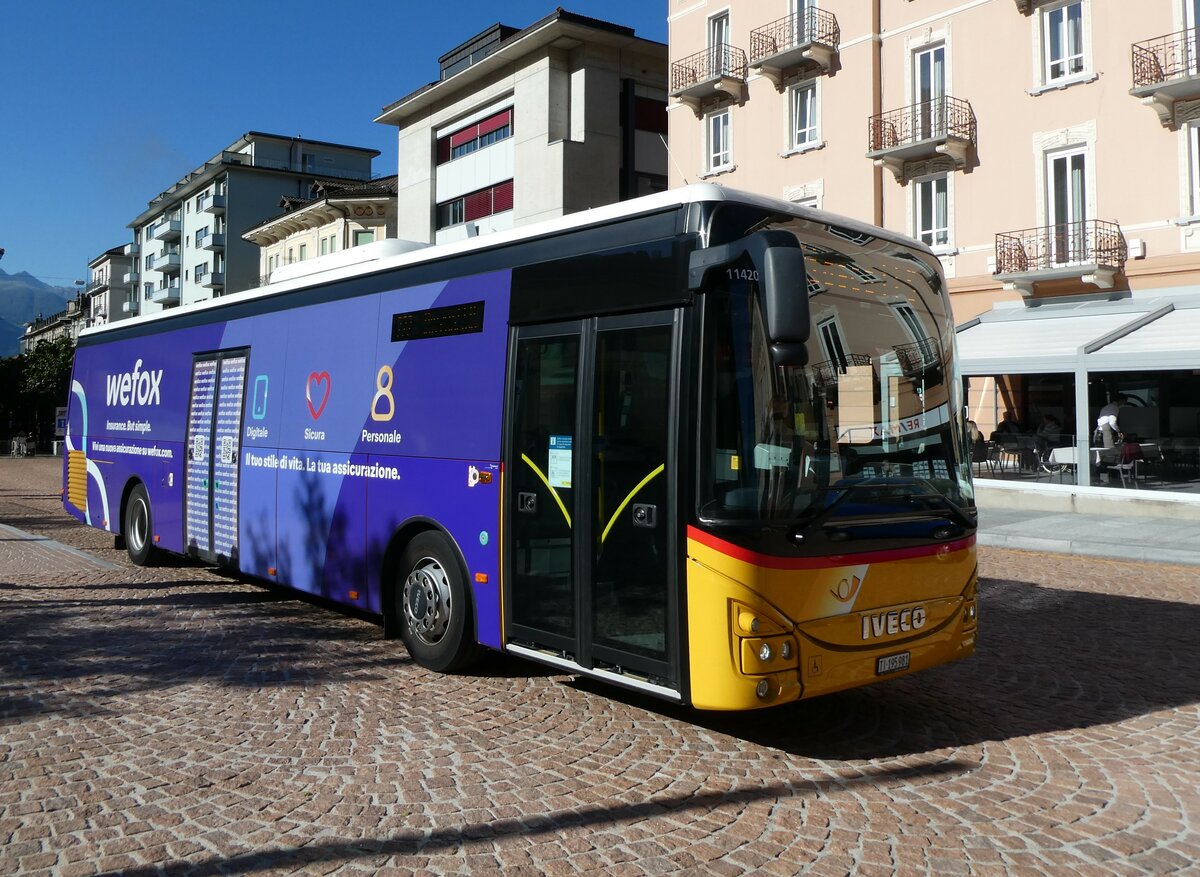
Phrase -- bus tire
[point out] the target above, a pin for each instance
(433, 606)
(138, 528)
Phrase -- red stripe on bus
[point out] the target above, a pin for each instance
(826, 561)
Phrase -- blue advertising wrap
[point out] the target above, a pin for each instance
(294, 444)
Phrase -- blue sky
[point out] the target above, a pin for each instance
(105, 104)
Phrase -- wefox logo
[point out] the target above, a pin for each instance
(135, 388)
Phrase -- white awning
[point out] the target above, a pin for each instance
(1172, 341)
(1011, 341)
(1152, 331)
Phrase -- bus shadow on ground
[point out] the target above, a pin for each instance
(325, 854)
(51, 648)
(1047, 660)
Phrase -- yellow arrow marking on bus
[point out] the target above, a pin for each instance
(546, 481)
(625, 501)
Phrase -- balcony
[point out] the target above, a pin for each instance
(212, 242)
(1166, 70)
(717, 73)
(921, 359)
(166, 296)
(168, 263)
(130, 307)
(97, 286)
(210, 203)
(796, 44)
(168, 230)
(131, 250)
(212, 280)
(942, 126)
(827, 373)
(1092, 251)
(129, 278)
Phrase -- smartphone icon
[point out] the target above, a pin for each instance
(259, 410)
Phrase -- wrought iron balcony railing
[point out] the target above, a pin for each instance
(714, 63)
(1173, 56)
(827, 372)
(1166, 69)
(938, 119)
(794, 38)
(918, 357)
(1092, 250)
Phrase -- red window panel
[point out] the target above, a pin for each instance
(502, 196)
(478, 205)
(493, 123)
(466, 135)
(650, 115)
(443, 150)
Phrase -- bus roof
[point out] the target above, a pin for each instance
(390, 254)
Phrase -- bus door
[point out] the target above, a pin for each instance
(214, 428)
(590, 542)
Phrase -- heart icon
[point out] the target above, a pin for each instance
(312, 388)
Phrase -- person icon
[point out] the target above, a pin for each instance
(1106, 423)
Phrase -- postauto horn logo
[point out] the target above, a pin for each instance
(134, 388)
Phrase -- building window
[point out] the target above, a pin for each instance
(1066, 202)
(1062, 42)
(324, 246)
(200, 271)
(803, 115)
(147, 290)
(303, 252)
(201, 234)
(908, 319)
(364, 236)
(931, 211)
(833, 342)
(1193, 151)
(476, 136)
(476, 205)
(718, 146)
(333, 243)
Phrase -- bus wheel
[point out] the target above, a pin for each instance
(138, 528)
(434, 606)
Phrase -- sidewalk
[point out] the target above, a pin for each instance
(1153, 540)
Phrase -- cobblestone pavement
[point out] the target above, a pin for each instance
(175, 720)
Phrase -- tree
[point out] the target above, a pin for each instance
(45, 381)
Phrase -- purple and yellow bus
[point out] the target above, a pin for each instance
(705, 445)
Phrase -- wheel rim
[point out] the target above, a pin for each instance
(427, 605)
(139, 525)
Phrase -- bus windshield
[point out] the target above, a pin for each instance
(870, 429)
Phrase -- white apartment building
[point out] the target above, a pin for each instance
(1047, 150)
(108, 286)
(338, 215)
(530, 124)
(187, 245)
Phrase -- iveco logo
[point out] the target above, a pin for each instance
(896, 621)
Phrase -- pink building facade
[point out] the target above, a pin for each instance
(1048, 151)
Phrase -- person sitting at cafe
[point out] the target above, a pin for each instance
(1131, 449)
(1009, 425)
(1048, 435)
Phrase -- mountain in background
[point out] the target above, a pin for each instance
(24, 298)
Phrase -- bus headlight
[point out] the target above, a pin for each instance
(762, 655)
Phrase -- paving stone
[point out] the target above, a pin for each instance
(175, 719)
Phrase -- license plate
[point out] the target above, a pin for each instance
(892, 663)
